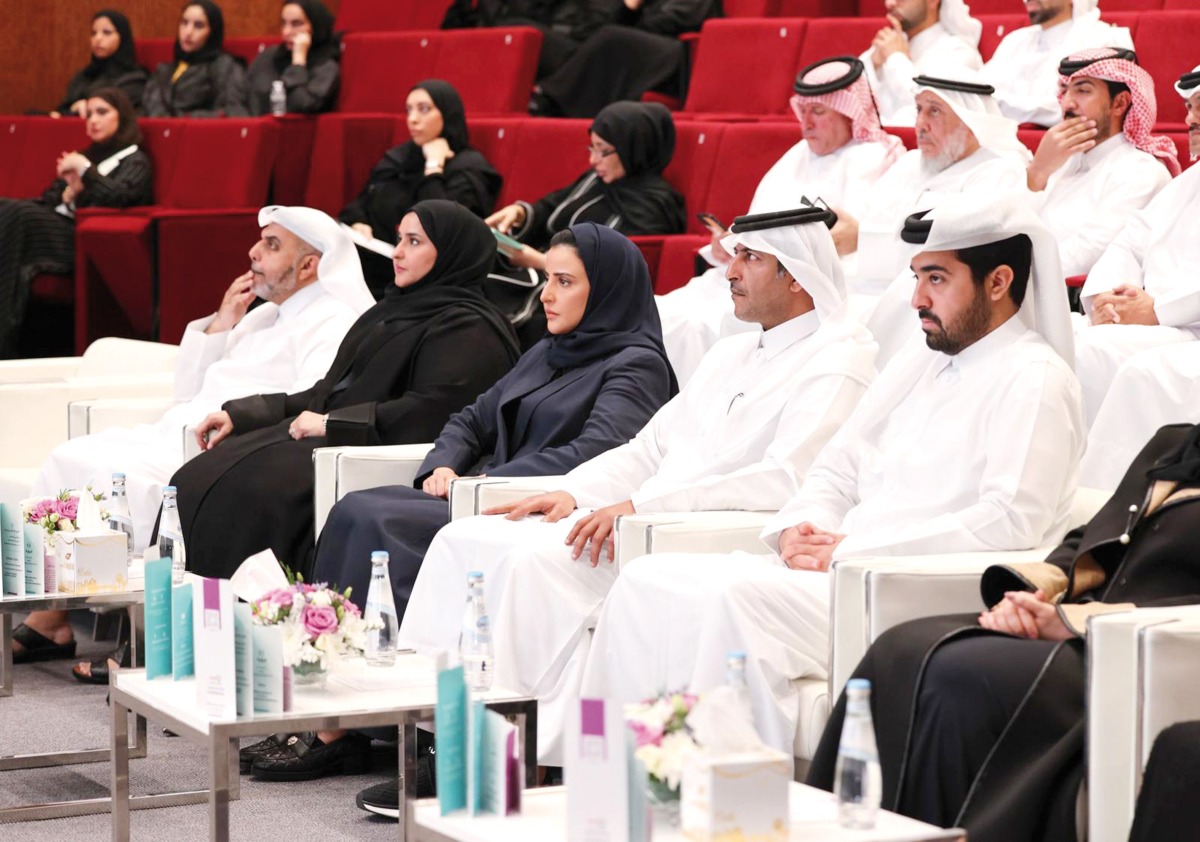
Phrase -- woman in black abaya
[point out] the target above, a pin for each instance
(306, 62)
(438, 163)
(203, 80)
(428, 348)
(580, 391)
(113, 65)
(980, 720)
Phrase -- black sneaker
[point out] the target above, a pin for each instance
(302, 758)
(382, 799)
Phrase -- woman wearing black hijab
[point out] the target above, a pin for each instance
(204, 80)
(429, 348)
(306, 62)
(113, 65)
(631, 143)
(38, 235)
(438, 163)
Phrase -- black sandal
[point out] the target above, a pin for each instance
(98, 669)
(38, 647)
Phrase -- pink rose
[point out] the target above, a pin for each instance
(68, 508)
(644, 735)
(319, 620)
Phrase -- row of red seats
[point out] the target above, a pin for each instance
(145, 272)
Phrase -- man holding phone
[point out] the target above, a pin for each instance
(843, 152)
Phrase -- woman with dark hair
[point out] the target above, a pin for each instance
(38, 235)
(437, 163)
(426, 350)
(204, 80)
(631, 143)
(113, 65)
(306, 62)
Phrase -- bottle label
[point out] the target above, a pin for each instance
(170, 535)
(119, 519)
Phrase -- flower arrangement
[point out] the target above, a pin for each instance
(320, 624)
(663, 739)
(57, 514)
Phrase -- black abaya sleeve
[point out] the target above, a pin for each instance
(471, 182)
(52, 195)
(257, 411)
(356, 211)
(311, 90)
(76, 89)
(154, 97)
(533, 231)
(130, 184)
(229, 83)
(670, 17)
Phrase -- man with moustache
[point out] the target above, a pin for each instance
(1100, 165)
(1024, 67)
(921, 34)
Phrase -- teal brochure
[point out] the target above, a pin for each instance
(35, 559)
(158, 618)
(476, 716)
(243, 654)
(450, 722)
(268, 668)
(639, 807)
(183, 645)
(12, 546)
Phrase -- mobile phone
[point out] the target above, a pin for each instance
(505, 242)
(710, 221)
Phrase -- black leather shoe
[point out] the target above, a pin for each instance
(250, 753)
(304, 757)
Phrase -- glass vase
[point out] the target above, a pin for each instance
(664, 803)
(310, 675)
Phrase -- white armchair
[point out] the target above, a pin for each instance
(1142, 677)
(338, 471)
(93, 416)
(104, 358)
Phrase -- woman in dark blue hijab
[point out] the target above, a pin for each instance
(588, 386)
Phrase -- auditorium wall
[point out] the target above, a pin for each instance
(44, 42)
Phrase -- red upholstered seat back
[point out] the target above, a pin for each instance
(836, 37)
(995, 27)
(247, 49)
(746, 152)
(1167, 47)
(162, 139)
(389, 15)
(12, 144)
(751, 8)
(492, 69)
(551, 154)
(1181, 146)
(380, 68)
(1008, 7)
(817, 8)
(691, 168)
(1176, 5)
(45, 140)
(151, 52)
(498, 140)
(223, 164)
(345, 149)
(745, 66)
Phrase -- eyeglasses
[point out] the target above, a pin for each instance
(600, 151)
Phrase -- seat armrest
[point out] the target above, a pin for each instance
(1141, 678)
(688, 532)
(870, 595)
(38, 370)
(93, 416)
(338, 471)
(471, 495)
(116, 357)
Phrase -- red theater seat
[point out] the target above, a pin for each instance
(45, 140)
(836, 37)
(151, 52)
(1167, 48)
(694, 165)
(345, 149)
(12, 144)
(379, 69)
(247, 49)
(1006, 7)
(498, 85)
(744, 69)
(677, 260)
(995, 27)
(817, 8)
(552, 154)
(1177, 5)
(746, 152)
(1181, 145)
(389, 15)
(751, 8)
(498, 139)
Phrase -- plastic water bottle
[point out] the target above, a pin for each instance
(170, 535)
(735, 677)
(278, 98)
(381, 614)
(475, 640)
(118, 513)
(858, 782)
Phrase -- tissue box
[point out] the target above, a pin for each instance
(742, 797)
(92, 561)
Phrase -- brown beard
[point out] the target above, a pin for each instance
(966, 330)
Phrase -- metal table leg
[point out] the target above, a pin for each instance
(408, 776)
(221, 773)
(69, 758)
(119, 747)
(6, 655)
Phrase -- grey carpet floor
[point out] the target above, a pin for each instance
(51, 711)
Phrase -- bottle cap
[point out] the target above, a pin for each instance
(475, 576)
(118, 475)
(735, 654)
(379, 557)
(858, 684)
(168, 489)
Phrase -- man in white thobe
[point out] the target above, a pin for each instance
(1144, 291)
(1157, 386)
(968, 443)
(306, 269)
(1098, 166)
(844, 151)
(920, 35)
(1024, 68)
(739, 436)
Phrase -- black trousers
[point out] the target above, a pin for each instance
(1167, 810)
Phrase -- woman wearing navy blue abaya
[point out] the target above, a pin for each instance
(588, 386)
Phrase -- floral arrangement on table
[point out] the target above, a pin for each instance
(320, 625)
(663, 740)
(57, 514)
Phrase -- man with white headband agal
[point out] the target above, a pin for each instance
(920, 35)
(843, 153)
(1099, 165)
(969, 444)
(306, 270)
(1139, 372)
(740, 435)
(1024, 68)
(965, 145)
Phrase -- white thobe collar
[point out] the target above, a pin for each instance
(783, 336)
(1093, 158)
(978, 353)
(299, 300)
(925, 39)
(1055, 36)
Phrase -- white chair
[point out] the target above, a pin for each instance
(337, 471)
(86, 417)
(108, 357)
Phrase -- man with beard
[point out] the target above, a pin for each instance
(967, 443)
(307, 270)
(920, 34)
(1024, 67)
(1100, 165)
(964, 145)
